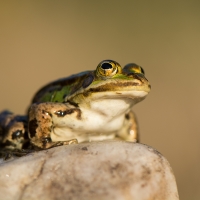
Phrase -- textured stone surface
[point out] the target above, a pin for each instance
(99, 170)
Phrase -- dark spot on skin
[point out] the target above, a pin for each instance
(88, 80)
(61, 113)
(45, 141)
(71, 103)
(64, 96)
(17, 134)
(26, 145)
(32, 127)
(86, 94)
(127, 116)
(84, 148)
(26, 134)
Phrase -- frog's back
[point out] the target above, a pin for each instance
(57, 91)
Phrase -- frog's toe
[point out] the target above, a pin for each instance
(73, 141)
(60, 143)
(47, 143)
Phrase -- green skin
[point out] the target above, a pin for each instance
(69, 101)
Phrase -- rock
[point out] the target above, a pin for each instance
(97, 170)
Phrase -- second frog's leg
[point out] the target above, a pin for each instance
(43, 118)
(129, 131)
(13, 135)
(13, 131)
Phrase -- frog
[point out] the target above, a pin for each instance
(93, 105)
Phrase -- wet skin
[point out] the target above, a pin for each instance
(89, 106)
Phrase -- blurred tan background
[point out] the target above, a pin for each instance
(41, 41)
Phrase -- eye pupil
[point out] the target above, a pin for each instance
(106, 66)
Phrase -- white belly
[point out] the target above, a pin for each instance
(103, 118)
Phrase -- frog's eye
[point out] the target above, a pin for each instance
(133, 68)
(108, 68)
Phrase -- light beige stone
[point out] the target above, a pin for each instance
(99, 170)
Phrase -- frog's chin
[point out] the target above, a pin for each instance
(115, 103)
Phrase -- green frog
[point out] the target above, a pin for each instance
(89, 106)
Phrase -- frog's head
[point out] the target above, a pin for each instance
(110, 85)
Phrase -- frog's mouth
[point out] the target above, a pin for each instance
(131, 89)
(134, 96)
(131, 94)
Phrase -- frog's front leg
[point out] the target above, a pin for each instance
(129, 131)
(43, 118)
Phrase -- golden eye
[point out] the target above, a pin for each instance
(133, 68)
(108, 68)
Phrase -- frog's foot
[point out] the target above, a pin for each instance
(129, 131)
(46, 143)
(43, 118)
(11, 153)
(13, 130)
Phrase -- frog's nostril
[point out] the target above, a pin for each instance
(106, 66)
